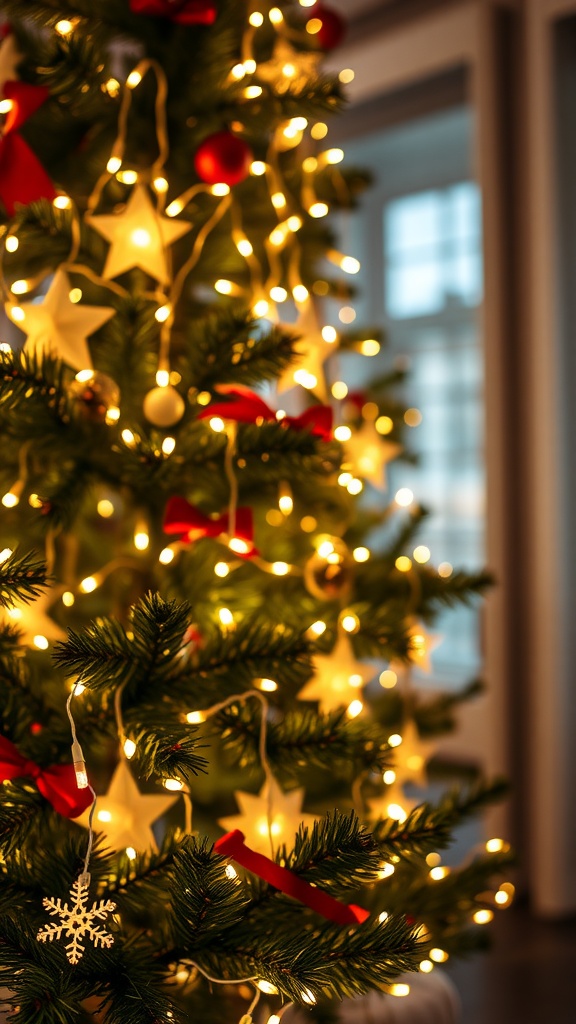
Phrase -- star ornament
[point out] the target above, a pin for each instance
(269, 819)
(139, 237)
(369, 454)
(32, 619)
(311, 352)
(338, 677)
(125, 815)
(412, 755)
(59, 326)
(422, 645)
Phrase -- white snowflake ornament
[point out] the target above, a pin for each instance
(76, 921)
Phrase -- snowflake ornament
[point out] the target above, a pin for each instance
(76, 921)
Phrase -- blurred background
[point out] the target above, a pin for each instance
(464, 111)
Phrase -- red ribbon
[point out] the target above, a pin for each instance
(246, 406)
(191, 524)
(184, 12)
(57, 784)
(22, 177)
(232, 845)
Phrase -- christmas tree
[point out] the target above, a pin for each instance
(189, 596)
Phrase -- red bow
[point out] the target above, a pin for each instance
(247, 407)
(22, 177)
(232, 845)
(184, 12)
(185, 519)
(57, 784)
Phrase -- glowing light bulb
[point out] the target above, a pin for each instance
(217, 424)
(437, 874)
(258, 168)
(439, 956)
(394, 740)
(161, 315)
(280, 568)
(339, 389)
(241, 547)
(105, 508)
(64, 27)
(10, 500)
(256, 19)
(389, 776)
(342, 433)
(404, 497)
(244, 247)
(173, 785)
(335, 156)
(88, 584)
(175, 207)
(349, 265)
(305, 379)
(425, 966)
(275, 15)
(6, 106)
(261, 307)
(60, 203)
(68, 599)
(129, 177)
(285, 504)
(226, 617)
(403, 563)
(318, 210)
(350, 622)
(313, 26)
(141, 238)
(130, 853)
(370, 347)
(104, 815)
(319, 130)
(221, 569)
(17, 314)
(294, 222)
(134, 79)
(355, 487)
(386, 870)
(250, 66)
(346, 76)
(230, 873)
(421, 554)
(361, 554)
(445, 569)
(268, 685)
(399, 989)
(388, 679)
(238, 72)
(163, 378)
(267, 986)
(4, 554)
(166, 556)
(129, 748)
(41, 642)
(317, 628)
(278, 200)
(220, 188)
(160, 184)
(11, 243)
(168, 445)
(329, 334)
(300, 293)
(20, 287)
(482, 916)
(396, 812)
(278, 294)
(252, 92)
(114, 164)
(195, 717)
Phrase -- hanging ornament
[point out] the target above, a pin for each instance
(369, 454)
(56, 784)
(58, 326)
(232, 845)
(183, 12)
(338, 677)
(190, 524)
(392, 804)
(223, 157)
(125, 815)
(411, 755)
(333, 27)
(329, 573)
(271, 818)
(163, 407)
(33, 621)
(77, 922)
(139, 237)
(93, 394)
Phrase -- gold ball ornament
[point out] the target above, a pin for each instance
(92, 396)
(329, 573)
(163, 407)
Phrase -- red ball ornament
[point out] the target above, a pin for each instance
(184, 12)
(333, 28)
(223, 157)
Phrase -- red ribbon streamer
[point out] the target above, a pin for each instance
(184, 12)
(232, 845)
(246, 406)
(191, 524)
(57, 784)
(22, 177)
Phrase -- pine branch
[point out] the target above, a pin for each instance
(22, 578)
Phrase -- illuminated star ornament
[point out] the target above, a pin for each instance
(412, 755)
(311, 352)
(288, 69)
(139, 237)
(125, 815)
(369, 453)
(32, 619)
(59, 326)
(338, 677)
(270, 818)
